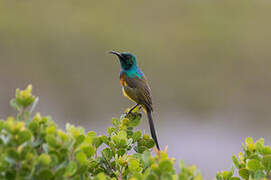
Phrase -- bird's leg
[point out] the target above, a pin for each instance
(132, 108)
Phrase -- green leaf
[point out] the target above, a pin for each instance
(115, 122)
(146, 137)
(121, 152)
(2, 124)
(104, 139)
(55, 160)
(260, 145)
(97, 142)
(89, 151)
(107, 153)
(24, 136)
(227, 174)
(45, 159)
(93, 164)
(122, 143)
(151, 177)
(136, 136)
(60, 172)
(71, 169)
(248, 140)
(12, 154)
(135, 121)
(129, 132)
(253, 165)
(156, 169)
(81, 158)
(17, 127)
(51, 140)
(249, 143)
(266, 150)
(125, 122)
(51, 129)
(133, 164)
(244, 173)
(91, 135)
(267, 162)
(33, 126)
(79, 140)
(111, 130)
(63, 136)
(122, 134)
(166, 165)
(115, 139)
(76, 177)
(235, 161)
(141, 149)
(150, 143)
(166, 176)
(45, 174)
(99, 170)
(100, 176)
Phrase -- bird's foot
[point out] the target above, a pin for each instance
(158, 152)
(136, 107)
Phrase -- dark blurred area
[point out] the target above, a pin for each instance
(207, 61)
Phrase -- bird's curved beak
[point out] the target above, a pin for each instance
(116, 53)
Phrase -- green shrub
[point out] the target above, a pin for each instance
(253, 163)
(33, 147)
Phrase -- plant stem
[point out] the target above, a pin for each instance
(120, 177)
(22, 113)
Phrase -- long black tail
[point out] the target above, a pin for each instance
(153, 133)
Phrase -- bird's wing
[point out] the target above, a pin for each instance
(140, 90)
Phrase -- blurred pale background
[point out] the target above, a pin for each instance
(208, 63)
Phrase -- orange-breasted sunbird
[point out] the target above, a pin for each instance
(135, 87)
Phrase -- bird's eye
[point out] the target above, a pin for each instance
(127, 56)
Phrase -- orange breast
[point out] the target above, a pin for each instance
(122, 80)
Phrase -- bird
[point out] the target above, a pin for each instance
(135, 87)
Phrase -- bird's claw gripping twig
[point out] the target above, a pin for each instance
(131, 110)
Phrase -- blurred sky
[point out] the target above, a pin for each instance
(207, 61)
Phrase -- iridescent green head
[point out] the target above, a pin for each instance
(127, 60)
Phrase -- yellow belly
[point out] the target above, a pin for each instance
(126, 94)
